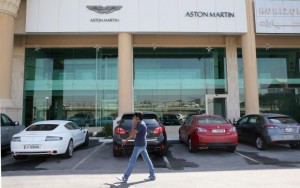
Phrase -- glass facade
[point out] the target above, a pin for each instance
(80, 84)
(278, 79)
(176, 80)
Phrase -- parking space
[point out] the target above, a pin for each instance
(98, 158)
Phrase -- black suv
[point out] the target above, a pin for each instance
(156, 135)
(171, 119)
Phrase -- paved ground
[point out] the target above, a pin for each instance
(95, 167)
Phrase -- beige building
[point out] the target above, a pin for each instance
(51, 71)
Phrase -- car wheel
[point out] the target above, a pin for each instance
(294, 145)
(162, 153)
(69, 151)
(192, 149)
(20, 157)
(231, 149)
(261, 143)
(180, 139)
(86, 140)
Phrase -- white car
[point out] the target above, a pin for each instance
(52, 137)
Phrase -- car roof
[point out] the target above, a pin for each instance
(144, 112)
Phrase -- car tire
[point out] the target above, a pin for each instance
(192, 148)
(260, 143)
(162, 153)
(86, 140)
(69, 150)
(294, 145)
(231, 149)
(180, 138)
(20, 157)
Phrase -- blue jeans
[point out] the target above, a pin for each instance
(136, 152)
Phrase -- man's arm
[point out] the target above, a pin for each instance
(133, 131)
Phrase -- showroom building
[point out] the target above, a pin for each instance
(96, 59)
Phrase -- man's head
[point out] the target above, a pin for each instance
(138, 115)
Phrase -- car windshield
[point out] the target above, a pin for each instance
(42, 127)
(211, 120)
(170, 117)
(282, 120)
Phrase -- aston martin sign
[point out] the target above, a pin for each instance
(138, 16)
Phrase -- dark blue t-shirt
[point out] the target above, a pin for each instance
(140, 138)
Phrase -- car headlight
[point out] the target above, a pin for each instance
(16, 139)
(53, 138)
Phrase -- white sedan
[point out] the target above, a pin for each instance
(52, 137)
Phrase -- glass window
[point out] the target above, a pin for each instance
(6, 121)
(210, 120)
(278, 81)
(244, 120)
(63, 82)
(42, 127)
(176, 80)
(283, 120)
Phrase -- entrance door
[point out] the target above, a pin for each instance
(216, 105)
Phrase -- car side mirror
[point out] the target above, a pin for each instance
(16, 123)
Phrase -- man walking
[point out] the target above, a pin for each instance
(138, 132)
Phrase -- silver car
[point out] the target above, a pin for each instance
(8, 129)
(267, 129)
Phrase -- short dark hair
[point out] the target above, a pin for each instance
(139, 115)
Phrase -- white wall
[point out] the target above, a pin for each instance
(138, 16)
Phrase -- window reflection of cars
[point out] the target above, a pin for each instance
(83, 119)
(171, 119)
(192, 104)
(8, 129)
(103, 121)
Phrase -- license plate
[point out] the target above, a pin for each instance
(32, 146)
(289, 130)
(218, 131)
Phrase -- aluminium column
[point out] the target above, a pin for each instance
(8, 12)
(125, 66)
(249, 62)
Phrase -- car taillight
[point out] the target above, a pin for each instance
(158, 130)
(201, 130)
(119, 130)
(269, 126)
(232, 129)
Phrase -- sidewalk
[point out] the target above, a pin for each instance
(283, 178)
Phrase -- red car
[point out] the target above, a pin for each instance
(208, 131)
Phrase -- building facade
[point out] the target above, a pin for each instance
(95, 60)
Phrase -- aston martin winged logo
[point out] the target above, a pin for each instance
(104, 9)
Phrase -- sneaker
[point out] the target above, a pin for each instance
(122, 179)
(150, 178)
